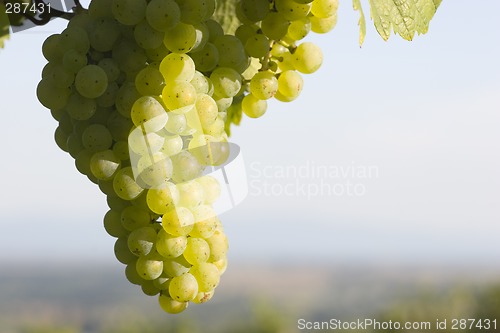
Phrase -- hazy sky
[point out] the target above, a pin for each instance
(390, 153)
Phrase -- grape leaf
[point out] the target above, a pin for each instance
(225, 14)
(356, 4)
(4, 25)
(404, 17)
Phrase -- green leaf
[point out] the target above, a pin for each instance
(356, 4)
(404, 17)
(4, 25)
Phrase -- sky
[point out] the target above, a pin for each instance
(390, 154)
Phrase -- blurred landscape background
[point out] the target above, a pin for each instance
(252, 298)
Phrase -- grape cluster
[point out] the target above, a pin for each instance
(144, 124)
(270, 32)
(144, 92)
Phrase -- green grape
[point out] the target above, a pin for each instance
(79, 107)
(200, 83)
(299, 29)
(172, 145)
(178, 221)
(73, 60)
(274, 26)
(193, 11)
(162, 282)
(197, 251)
(253, 107)
(149, 81)
(163, 14)
(148, 287)
(91, 81)
(57, 114)
(106, 187)
(177, 67)
(50, 96)
(141, 241)
(290, 84)
(255, 10)
(323, 25)
(211, 188)
(183, 288)
(286, 62)
(233, 52)
(148, 114)
(82, 162)
(158, 54)
(125, 186)
(216, 129)
(129, 12)
(144, 143)
(278, 50)
(257, 46)
(154, 170)
(207, 275)
(218, 245)
(292, 10)
(161, 200)
(170, 305)
(146, 36)
(120, 149)
(211, 5)
(104, 35)
(207, 58)
(149, 267)
(61, 77)
(122, 253)
(116, 203)
(108, 99)
(179, 96)
(205, 221)
(203, 297)
(99, 9)
(245, 31)
(129, 56)
(190, 194)
(74, 38)
(324, 8)
(221, 265)
(96, 137)
(133, 218)
(104, 164)
(282, 98)
(119, 126)
(113, 225)
(307, 58)
(61, 138)
(186, 167)
(111, 68)
(176, 266)
(181, 38)
(132, 275)
(223, 103)
(202, 36)
(176, 123)
(170, 246)
(51, 50)
(125, 98)
(74, 144)
(264, 85)
(226, 81)
(207, 110)
(214, 29)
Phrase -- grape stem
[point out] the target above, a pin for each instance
(45, 16)
(265, 61)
